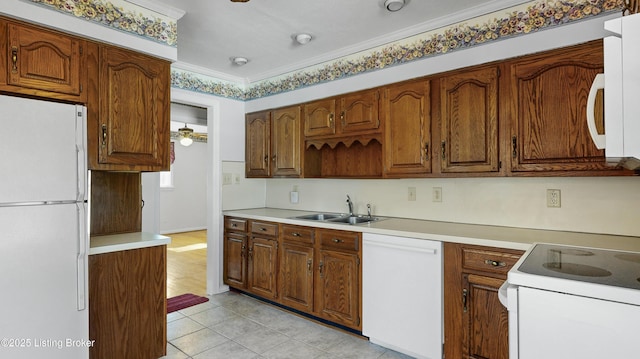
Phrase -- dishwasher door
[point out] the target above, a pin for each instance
(402, 294)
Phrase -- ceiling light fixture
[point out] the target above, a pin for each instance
(394, 5)
(185, 135)
(303, 38)
(239, 0)
(239, 60)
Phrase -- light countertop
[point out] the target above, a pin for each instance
(485, 235)
(125, 241)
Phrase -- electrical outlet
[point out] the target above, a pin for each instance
(437, 194)
(553, 198)
(226, 179)
(412, 194)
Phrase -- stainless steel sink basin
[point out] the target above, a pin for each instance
(355, 219)
(320, 216)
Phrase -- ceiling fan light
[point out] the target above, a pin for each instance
(185, 135)
(303, 38)
(186, 141)
(394, 5)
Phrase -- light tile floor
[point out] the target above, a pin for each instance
(236, 326)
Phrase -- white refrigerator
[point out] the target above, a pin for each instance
(44, 231)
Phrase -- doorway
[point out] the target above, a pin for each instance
(151, 189)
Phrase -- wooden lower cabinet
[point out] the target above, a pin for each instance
(314, 271)
(475, 322)
(127, 303)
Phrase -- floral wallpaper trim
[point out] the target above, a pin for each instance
(120, 15)
(195, 82)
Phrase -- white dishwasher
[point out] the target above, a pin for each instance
(402, 294)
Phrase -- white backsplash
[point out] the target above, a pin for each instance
(593, 204)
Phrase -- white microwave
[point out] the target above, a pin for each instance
(621, 84)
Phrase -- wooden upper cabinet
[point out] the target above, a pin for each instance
(286, 142)
(359, 112)
(258, 144)
(274, 143)
(319, 117)
(549, 99)
(406, 113)
(352, 114)
(43, 63)
(469, 121)
(131, 128)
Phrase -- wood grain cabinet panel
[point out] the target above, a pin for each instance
(549, 94)
(407, 118)
(258, 144)
(127, 303)
(263, 266)
(130, 128)
(359, 112)
(43, 63)
(319, 117)
(235, 255)
(296, 272)
(286, 142)
(475, 322)
(469, 121)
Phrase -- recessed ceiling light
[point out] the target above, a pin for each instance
(394, 5)
(303, 38)
(239, 60)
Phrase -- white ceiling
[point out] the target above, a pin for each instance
(213, 31)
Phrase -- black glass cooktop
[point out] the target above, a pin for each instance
(608, 267)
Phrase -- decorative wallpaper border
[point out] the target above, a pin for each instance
(120, 15)
(517, 21)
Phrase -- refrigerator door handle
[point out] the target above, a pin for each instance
(81, 258)
(81, 146)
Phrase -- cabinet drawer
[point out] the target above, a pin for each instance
(264, 228)
(343, 240)
(235, 224)
(297, 234)
(489, 260)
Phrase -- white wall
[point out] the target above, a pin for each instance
(184, 207)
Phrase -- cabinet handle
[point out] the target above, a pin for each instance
(251, 252)
(514, 145)
(444, 150)
(464, 300)
(309, 262)
(330, 118)
(263, 229)
(320, 267)
(242, 251)
(495, 263)
(234, 225)
(337, 240)
(426, 151)
(273, 158)
(14, 59)
(296, 234)
(104, 134)
(266, 159)
(342, 119)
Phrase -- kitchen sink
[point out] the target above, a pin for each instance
(320, 216)
(338, 218)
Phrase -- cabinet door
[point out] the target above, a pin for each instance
(319, 118)
(263, 264)
(549, 95)
(338, 288)
(407, 129)
(258, 144)
(235, 266)
(469, 121)
(296, 272)
(285, 142)
(134, 111)
(45, 60)
(485, 319)
(359, 112)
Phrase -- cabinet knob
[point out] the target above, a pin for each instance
(104, 134)
(337, 240)
(296, 234)
(14, 59)
(493, 263)
(426, 151)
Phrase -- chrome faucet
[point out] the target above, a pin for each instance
(350, 204)
(369, 210)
